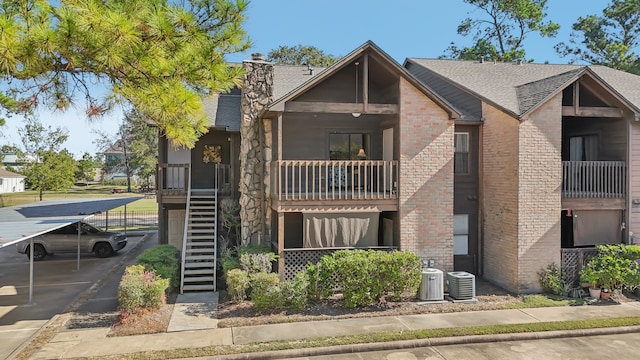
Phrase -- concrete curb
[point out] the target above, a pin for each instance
(61, 319)
(410, 344)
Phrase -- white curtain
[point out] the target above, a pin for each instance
(356, 229)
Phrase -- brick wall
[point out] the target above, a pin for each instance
(540, 201)
(426, 178)
(500, 197)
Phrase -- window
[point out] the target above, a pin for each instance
(461, 154)
(345, 146)
(461, 234)
(583, 148)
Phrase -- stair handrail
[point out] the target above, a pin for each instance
(185, 231)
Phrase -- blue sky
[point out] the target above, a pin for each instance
(402, 28)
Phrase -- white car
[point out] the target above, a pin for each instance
(65, 240)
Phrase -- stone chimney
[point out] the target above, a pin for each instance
(257, 57)
(255, 151)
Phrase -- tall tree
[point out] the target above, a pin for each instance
(160, 56)
(608, 39)
(46, 166)
(500, 30)
(137, 143)
(301, 55)
(85, 168)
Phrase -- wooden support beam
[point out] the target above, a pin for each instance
(365, 83)
(339, 108)
(590, 111)
(281, 245)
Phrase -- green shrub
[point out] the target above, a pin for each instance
(229, 260)
(140, 289)
(257, 262)
(266, 293)
(365, 276)
(296, 296)
(550, 279)
(614, 267)
(164, 260)
(237, 284)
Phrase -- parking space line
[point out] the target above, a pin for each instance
(56, 284)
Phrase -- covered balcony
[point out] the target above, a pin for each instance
(345, 182)
(173, 181)
(594, 179)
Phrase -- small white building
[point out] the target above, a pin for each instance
(11, 182)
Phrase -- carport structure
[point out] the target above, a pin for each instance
(24, 222)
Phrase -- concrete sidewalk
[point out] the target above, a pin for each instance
(193, 325)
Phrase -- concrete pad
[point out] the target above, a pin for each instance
(194, 311)
(595, 311)
(130, 344)
(462, 319)
(12, 339)
(81, 335)
(314, 329)
(55, 350)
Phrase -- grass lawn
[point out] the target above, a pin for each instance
(90, 191)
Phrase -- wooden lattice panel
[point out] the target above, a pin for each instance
(296, 260)
(573, 260)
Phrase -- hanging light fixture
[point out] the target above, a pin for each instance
(356, 114)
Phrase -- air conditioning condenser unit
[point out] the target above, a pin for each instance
(432, 285)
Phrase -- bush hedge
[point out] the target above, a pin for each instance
(365, 276)
(140, 289)
(164, 260)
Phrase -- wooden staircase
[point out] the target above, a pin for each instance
(199, 243)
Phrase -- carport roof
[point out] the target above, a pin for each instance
(22, 222)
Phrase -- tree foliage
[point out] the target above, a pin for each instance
(85, 168)
(501, 29)
(138, 141)
(301, 55)
(160, 56)
(46, 166)
(608, 39)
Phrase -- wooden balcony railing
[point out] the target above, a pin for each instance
(594, 179)
(174, 178)
(334, 179)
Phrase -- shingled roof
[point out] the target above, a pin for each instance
(519, 87)
(224, 109)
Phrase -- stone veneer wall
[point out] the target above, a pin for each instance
(426, 178)
(255, 151)
(500, 197)
(540, 201)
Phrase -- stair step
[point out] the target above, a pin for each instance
(199, 231)
(201, 226)
(201, 243)
(200, 237)
(202, 213)
(208, 271)
(198, 257)
(200, 251)
(201, 264)
(198, 279)
(197, 287)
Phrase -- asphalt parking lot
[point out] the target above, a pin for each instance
(58, 284)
